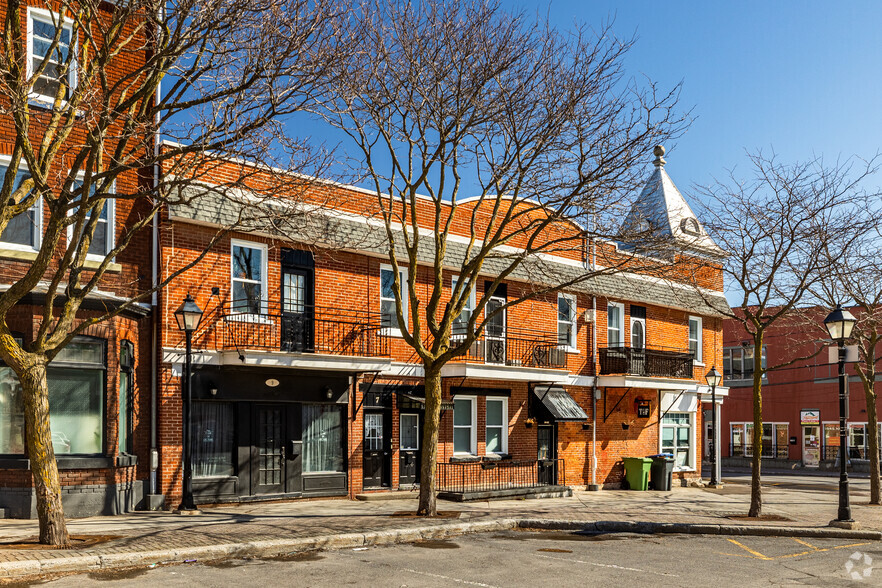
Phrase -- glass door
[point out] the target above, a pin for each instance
(494, 332)
(811, 446)
(297, 320)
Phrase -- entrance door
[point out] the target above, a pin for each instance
(297, 312)
(376, 451)
(410, 432)
(276, 449)
(494, 332)
(811, 446)
(546, 454)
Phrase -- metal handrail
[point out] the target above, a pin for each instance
(649, 361)
(488, 476)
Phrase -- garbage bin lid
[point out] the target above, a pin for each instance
(665, 455)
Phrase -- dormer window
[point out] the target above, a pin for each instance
(690, 226)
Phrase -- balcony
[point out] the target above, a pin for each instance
(654, 363)
(306, 329)
(517, 349)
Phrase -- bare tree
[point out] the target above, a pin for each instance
(777, 228)
(85, 113)
(447, 99)
(854, 280)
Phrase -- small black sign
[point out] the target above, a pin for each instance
(643, 410)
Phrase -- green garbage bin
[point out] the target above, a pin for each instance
(637, 472)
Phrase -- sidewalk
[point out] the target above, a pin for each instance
(263, 529)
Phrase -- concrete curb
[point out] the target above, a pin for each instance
(269, 548)
(696, 529)
(276, 547)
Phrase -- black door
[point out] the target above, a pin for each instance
(410, 435)
(376, 449)
(546, 455)
(276, 449)
(297, 311)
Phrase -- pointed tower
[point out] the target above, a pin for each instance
(663, 210)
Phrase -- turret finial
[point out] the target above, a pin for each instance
(658, 151)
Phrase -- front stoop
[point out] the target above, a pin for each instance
(540, 492)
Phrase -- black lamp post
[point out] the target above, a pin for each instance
(188, 316)
(713, 379)
(839, 324)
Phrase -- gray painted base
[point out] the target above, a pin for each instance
(79, 501)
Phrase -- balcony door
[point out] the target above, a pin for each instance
(638, 346)
(298, 325)
(494, 332)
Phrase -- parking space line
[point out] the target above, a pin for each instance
(755, 554)
(601, 565)
(806, 543)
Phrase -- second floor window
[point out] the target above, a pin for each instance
(249, 277)
(388, 316)
(42, 28)
(739, 362)
(695, 337)
(615, 317)
(23, 231)
(566, 321)
(461, 322)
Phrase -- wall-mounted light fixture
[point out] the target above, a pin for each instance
(328, 392)
(213, 391)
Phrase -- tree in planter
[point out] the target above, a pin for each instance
(853, 280)
(84, 112)
(461, 98)
(779, 229)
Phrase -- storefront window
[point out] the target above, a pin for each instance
(322, 438)
(677, 437)
(212, 439)
(76, 401)
(11, 413)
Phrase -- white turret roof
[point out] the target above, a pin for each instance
(667, 213)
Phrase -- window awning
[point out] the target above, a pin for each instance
(560, 404)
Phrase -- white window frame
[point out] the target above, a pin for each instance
(699, 355)
(395, 331)
(572, 345)
(692, 440)
(473, 437)
(111, 226)
(401, 417)
(504, 401)
(38, 212)
(264, 271)
(642, 323)
(470, 305)
(50, 17)
(748, 435)
(621, 311)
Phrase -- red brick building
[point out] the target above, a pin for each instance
(303, 386)
(800, 401)
(99, 386)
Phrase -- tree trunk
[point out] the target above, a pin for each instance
(427, 506)
(756, 490)
(872, 432)
(44, 469)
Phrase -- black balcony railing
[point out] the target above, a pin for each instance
(831, 453)
(769, 451)
(657, 363)
(304, 329)
(488, 476)
(517, 348)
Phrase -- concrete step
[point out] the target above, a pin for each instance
(537, 492)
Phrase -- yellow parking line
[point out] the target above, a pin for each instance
(756, 554)
(806, 543)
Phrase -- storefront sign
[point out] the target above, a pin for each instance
(810, 416)
(643, 409)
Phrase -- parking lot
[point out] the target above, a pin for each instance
(524, 558)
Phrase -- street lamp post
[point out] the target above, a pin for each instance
(188, 316)
(713, 379)
(839, 324)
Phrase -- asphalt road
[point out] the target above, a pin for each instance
(523, 558)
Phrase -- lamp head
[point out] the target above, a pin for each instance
(839, 324)
(713, 377)
(188, 315)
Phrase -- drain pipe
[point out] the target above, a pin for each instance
(154, 502)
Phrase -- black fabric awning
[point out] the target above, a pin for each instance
(559, 404)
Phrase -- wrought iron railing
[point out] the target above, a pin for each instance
(831, 452)
(768, 450)
(658, 363)
(488, 476)
(517, 348)
(303, 329)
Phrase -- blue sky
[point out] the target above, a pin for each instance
(802, 78)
